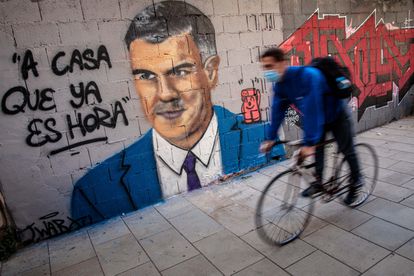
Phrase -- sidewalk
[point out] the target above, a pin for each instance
(212, 232)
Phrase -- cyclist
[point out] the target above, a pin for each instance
(306, 88)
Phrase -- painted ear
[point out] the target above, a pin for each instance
(211, 66)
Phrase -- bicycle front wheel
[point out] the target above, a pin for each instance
(282, 222)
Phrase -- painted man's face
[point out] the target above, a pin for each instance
(174, 85)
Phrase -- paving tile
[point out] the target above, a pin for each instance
(28, 258)
(258, 186)
(340, 215)
(400, 146)
(147, 269)
(386, 163)
(120, 254)
(278, 190)
(318, 264)
(391, 153)
(391, 177)
(390, 211)
(409, 185)
(409, 201)
(269, 172)
(407, 250)
(269, 203)
(175, 206)
(371, 141)
(245, 194)
(346, 247)
(208, 200)
(198, 265)
(250, 197)
(391, 192)
(168, 248)
(403, 123)
(86, 268)
(395, 131)
(404, 167)
(368, 171)
(146, 223)
(43, 270)
(228, 190)
(69, 250)
(227, 252)
(108, 230)
(237, 218)
(314, 225)
(283, 256)
(392, 265)
(403, 156)
(232, 190)
(195, 225)
(389, 136)
(263, 268)
(383, 233)
(263, 177)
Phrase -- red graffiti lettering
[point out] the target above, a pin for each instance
(377, 55)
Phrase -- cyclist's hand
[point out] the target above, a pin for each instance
(306, 151)
(266, 146)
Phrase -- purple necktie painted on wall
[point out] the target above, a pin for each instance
(193, 182)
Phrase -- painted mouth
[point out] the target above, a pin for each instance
(171, 115)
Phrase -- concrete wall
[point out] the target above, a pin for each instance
(76, 144)
(378, 32)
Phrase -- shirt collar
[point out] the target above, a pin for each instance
(174, 156)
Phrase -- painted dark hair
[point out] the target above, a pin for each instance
(276, 53)
(162, 20)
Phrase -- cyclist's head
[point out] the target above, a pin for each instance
(274, 63)
(276, 53)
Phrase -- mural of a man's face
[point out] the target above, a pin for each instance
(174, 86)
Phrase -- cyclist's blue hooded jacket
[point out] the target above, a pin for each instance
(306, 88)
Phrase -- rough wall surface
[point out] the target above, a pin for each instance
(372, 38)
(77, 142)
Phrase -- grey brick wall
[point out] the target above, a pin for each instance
(397, 14)
(36, 183)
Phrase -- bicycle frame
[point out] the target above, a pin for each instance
(331, 190)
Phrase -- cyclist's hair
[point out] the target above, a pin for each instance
(276, 53)
(158, 22)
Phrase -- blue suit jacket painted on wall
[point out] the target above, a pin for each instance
(128, 180)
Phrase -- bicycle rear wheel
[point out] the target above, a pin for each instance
(368, 162)
(283, 223)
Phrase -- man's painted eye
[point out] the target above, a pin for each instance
(145, 76)
(182, 72)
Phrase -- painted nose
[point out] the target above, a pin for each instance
(167, 91)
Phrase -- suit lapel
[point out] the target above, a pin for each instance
(141, 178)
(230, 138)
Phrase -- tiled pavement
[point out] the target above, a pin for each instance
(211, 231)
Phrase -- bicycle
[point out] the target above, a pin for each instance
(284, 223)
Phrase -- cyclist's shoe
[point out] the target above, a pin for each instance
(315, 188)
(353, 197)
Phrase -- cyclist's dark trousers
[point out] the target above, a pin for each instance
(343, 132)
